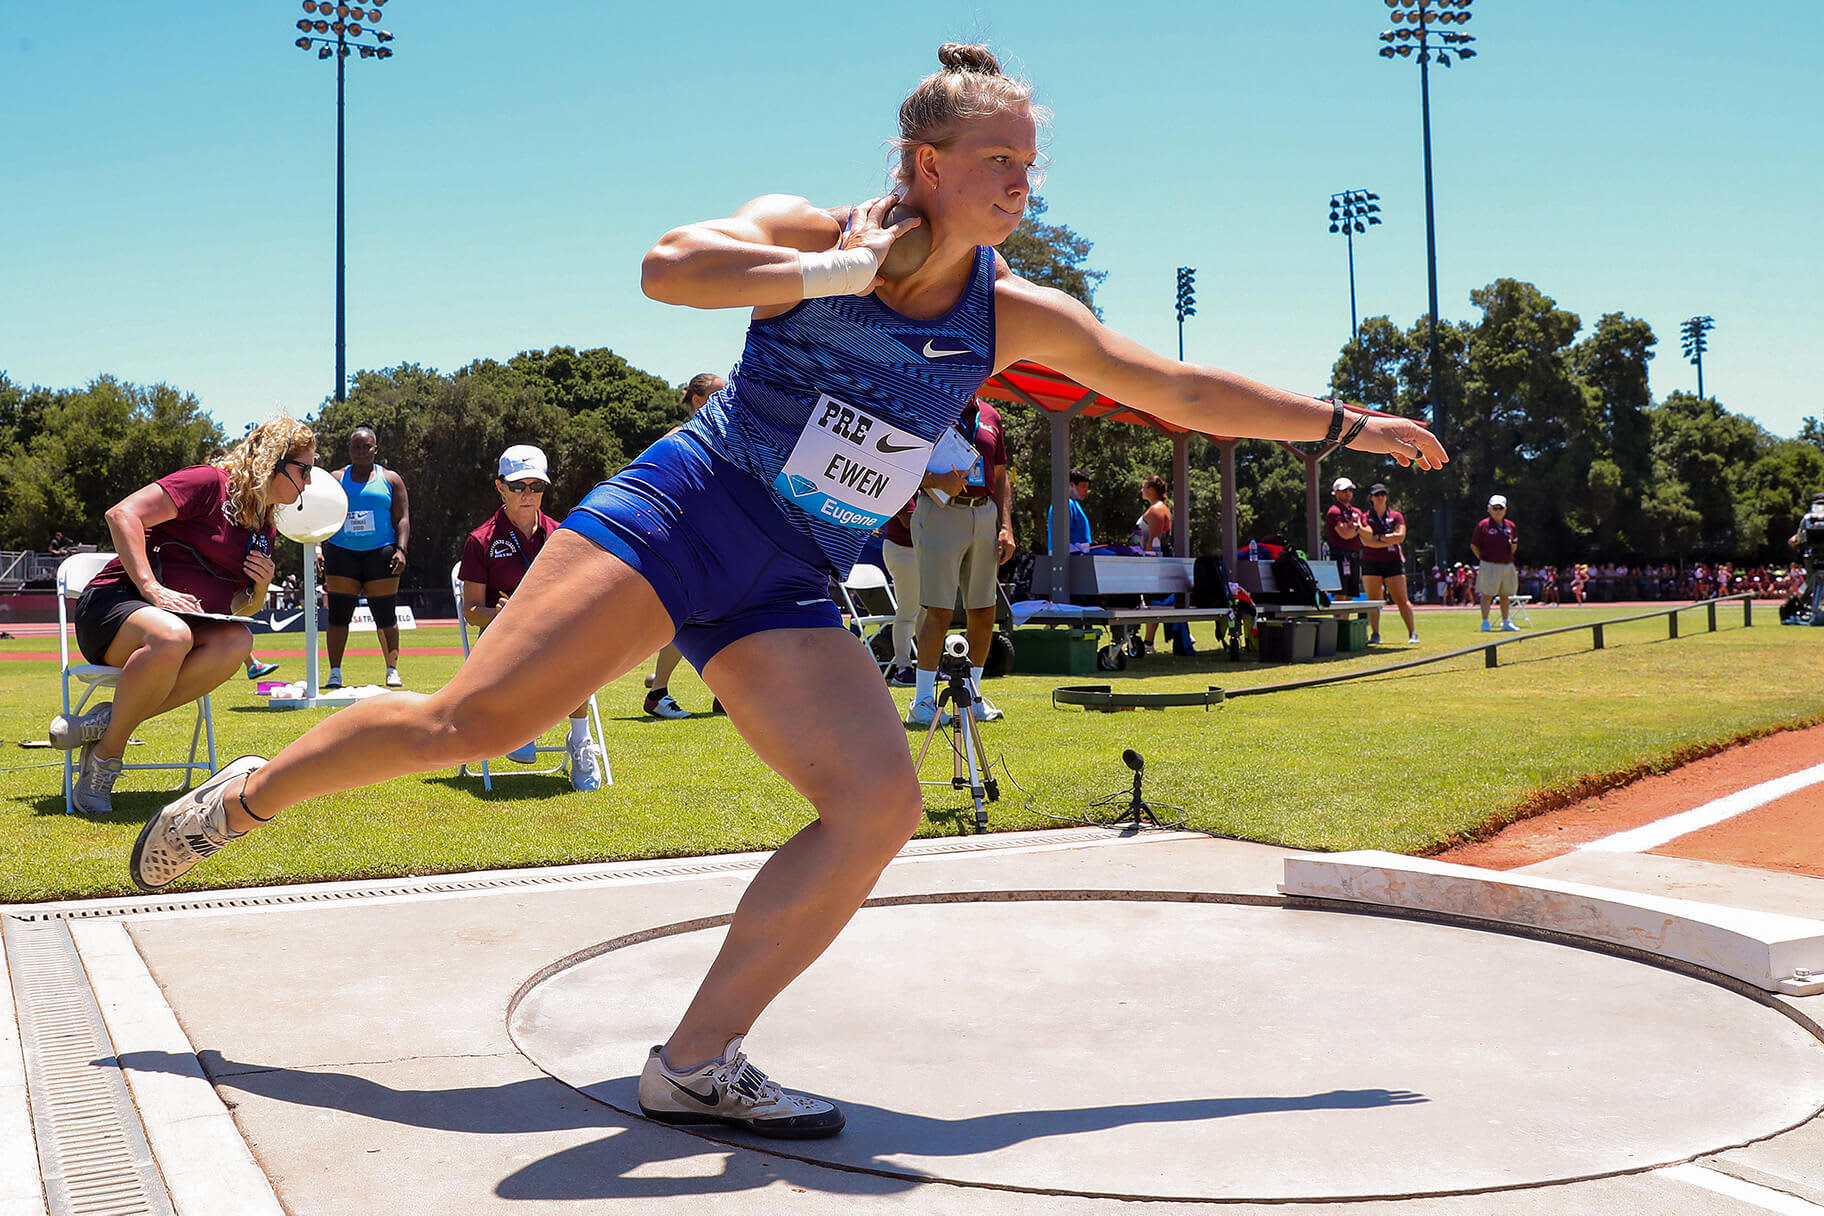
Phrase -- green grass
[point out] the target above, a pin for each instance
(1400, 762)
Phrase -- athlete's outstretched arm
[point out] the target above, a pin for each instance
(1049, 326)
(757, 257)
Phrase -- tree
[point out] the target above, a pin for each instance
(88, 448)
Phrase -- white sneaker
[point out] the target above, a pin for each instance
(985, 711)
(192, 827)
(1412, 639)
(527, 754)
(923, 710)
(92, 790)
(585, 766)
(392, 678)
(1509, 627)
(731, 1090)
(665, 707)
(71, 733)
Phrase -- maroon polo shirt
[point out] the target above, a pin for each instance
(1339, 514)
(1383, 525)
(1495, 541)
(497, 556)
(898, 530)
(991, 445)
(202, 551)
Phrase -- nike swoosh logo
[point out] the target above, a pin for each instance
(932, 352)
(881, 444)
(711, 1099)
(280, 623)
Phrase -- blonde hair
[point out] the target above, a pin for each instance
(251, 463)
(970, 85)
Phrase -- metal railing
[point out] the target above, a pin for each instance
(1491, 646)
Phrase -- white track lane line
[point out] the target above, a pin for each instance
(1763, 1197)
(1664, 831)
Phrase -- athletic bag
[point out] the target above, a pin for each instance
(1209, 582)
(1297, 583)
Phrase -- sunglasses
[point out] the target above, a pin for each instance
(528, 487)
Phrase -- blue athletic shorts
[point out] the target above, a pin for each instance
(714, 544)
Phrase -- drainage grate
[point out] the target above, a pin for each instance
(91, 1150)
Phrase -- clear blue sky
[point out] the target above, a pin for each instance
(167, 197)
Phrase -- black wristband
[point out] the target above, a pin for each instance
(1361, 420)
(1336, 422)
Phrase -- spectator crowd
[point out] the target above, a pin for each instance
(1600, 583)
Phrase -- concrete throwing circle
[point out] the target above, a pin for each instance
(1117, 1045)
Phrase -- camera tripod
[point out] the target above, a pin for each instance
(967, 772)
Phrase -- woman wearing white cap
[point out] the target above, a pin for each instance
(496, 557)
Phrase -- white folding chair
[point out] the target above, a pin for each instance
(864, 581)
(562, 766)
(73, 575)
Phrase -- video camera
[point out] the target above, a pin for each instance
(955, 660)
(1811, 529)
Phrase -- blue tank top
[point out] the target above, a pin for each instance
(370, 512)
(836, 403)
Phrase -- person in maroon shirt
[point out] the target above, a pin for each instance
(195, 541)
(1342, 533)
(897, 554)
(961, 540)
(494, 560)
(1493, 543)
(1384, 563)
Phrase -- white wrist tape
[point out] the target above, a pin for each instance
(839, 272)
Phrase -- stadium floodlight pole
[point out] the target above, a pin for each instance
(1420, 31)
(344, 22)
(1696, 344)
(1187, 302)
(1352, 212)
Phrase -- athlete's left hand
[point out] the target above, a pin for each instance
(1404, 440)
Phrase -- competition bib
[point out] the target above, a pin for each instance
(850, 467)
(360, 522)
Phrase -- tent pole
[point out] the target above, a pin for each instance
(1181, 494)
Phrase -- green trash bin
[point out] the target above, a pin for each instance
(1352, 634)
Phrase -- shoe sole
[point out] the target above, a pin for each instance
(145, 833)
(692, 1119)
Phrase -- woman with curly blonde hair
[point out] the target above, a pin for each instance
(196, 541)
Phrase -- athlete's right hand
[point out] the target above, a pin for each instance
(867, 231)
(161, 596)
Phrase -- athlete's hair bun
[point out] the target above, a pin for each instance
(968, 57)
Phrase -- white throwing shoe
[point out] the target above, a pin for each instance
(731, 1090)
(392, 678)
(188, 829)
(985, 711)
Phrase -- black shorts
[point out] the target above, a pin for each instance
(1383, 570)
(100, 612)
(362, 565)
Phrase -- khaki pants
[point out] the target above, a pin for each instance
(955, 548)
(902, 567)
